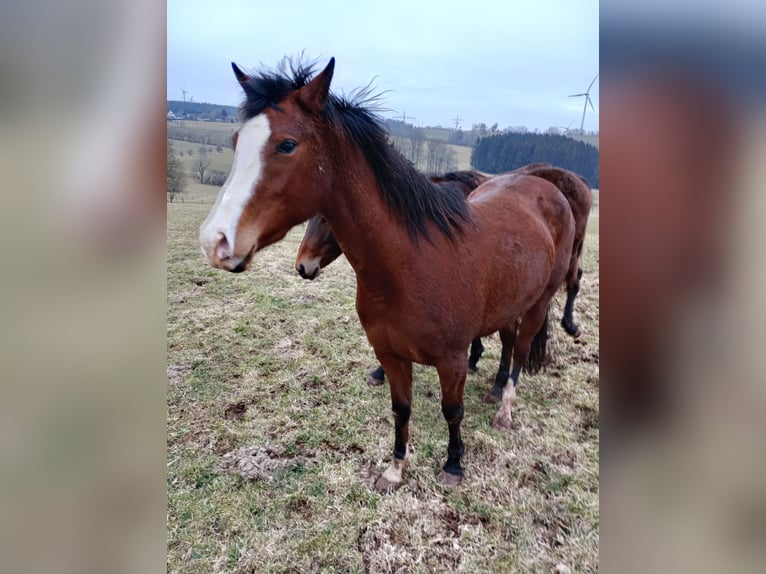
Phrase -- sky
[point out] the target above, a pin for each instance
(510, 63)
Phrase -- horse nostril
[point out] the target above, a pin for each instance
(302, 270)
(222, 250)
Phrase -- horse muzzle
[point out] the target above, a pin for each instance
(308, 271)
(218, 254)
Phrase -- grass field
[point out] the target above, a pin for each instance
(274, 440)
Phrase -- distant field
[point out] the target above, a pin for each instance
(269, 362)
(218, 160)
(463, 156)
(213, 128)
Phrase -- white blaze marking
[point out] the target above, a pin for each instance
(245, 173)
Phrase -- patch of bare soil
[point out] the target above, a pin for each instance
(254, 463)
(235, 411)
(176, 373)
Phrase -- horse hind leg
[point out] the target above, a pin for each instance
(528, 353)
(477, 349)
(400, 384)
(507, 338)
(573, 288)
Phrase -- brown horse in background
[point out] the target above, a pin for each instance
(319, 247)
(433, 270)
(580, 199)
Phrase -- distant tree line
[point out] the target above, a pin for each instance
(427, 155)
(202, 110)
(186, 135)
(505, 152)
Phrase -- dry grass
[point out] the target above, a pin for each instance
(266, 373)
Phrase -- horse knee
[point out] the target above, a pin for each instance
(453, 413)
(402, 412)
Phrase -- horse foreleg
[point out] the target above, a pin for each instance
(400, 383)
(476, 351)
(508, 339)
(452, 374)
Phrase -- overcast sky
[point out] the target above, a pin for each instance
(513, 63)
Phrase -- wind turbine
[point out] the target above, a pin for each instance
(586, 93)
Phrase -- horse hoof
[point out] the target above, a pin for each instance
(494, 395)
(373, 382)
(502, 421)
(571, 329)
(491, 399)
(385, 486)
(448, 479)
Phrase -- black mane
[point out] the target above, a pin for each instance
(266, 89)
(409, 194)
(469, 178)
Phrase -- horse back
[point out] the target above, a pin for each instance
(573, 187)
(523, 241)
(522, 203)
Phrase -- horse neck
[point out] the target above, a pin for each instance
(376, 244)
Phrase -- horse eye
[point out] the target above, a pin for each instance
(287, 146)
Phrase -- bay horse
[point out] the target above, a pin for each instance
(433, 271)
(319, 247)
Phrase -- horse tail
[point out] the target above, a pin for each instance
(536, 356)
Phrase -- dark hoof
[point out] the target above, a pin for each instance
(571, 329)
(471, 370)
(494, 395)
(385, 486)
(373, 382)
(449, 479)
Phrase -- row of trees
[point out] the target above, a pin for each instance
(428, 155)
(202, 110)
(398, 128)
(506, 152)
(192, 136)
(201, 150)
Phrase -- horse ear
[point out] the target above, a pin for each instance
(314, 94)
(242, 77)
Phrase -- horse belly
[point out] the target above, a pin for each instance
(515, 277)
(419, 330)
